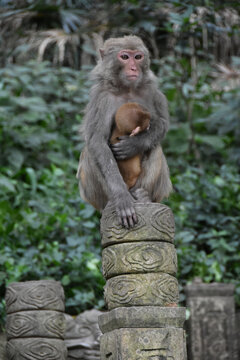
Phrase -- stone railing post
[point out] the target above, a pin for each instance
(141, 292)
(212, 321)
(35, 323)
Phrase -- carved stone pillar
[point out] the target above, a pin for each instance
(35, 323)
(3, 342)
(212, 321)
(141, 292)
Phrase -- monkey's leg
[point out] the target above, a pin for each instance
(91, 188)
(154, 177)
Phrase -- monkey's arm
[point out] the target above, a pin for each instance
(98, 122)
(128, 147)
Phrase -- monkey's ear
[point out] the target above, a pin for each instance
(101, 53)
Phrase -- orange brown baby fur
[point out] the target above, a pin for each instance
(130, 119)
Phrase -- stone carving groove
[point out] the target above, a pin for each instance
(152, 256)
(141, 289)
(35, 323)
(36, 349)
(141, 292)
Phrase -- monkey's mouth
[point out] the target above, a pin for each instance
(132, 77)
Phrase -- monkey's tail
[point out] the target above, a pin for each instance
(164, 187)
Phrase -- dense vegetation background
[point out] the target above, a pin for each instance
(47, 49)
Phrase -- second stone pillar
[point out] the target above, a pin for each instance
(141, 292)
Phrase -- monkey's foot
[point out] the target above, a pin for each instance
(140, 195)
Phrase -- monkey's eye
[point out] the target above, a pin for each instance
(124, 56)
(138, 56)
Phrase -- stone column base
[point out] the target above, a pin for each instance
(143, 333)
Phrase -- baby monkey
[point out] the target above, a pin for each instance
(130, 119)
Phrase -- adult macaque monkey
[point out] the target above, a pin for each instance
(123, 75)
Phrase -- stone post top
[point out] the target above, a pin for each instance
(155, 222)
(198, 288)
(35, 282)
(142, 317)
(34, 295)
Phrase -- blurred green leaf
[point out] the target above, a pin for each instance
(6, 183)
(212, 140)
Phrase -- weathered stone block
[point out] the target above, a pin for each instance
(36, 349)
(237, 332)
(35, 295)
(212, 321)
(50, 324)
(155, 222)
(140, 257)
(83, 335)
(141, 289)
(143, 344)
(142, 317)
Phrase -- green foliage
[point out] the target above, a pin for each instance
(46, 230)
(203, 152)
(207, 208)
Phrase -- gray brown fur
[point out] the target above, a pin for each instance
(100, 179)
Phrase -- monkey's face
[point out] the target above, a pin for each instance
(131, 62)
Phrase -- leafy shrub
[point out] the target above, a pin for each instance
(203, 152)
(46, 230)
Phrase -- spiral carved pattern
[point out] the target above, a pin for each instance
(56, 325)
(155, 222)
(166, 288)
(141, 289)
(50, 324)
(38, 295)
(36, 349)
(163, 221)
(140, 257)
(124, 290)
(109, 259)
(19, 325)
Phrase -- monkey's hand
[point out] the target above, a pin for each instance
(123, 204)
(127, 147)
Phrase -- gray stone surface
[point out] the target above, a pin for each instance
(45, 323)
(142, 317)
(35, 295)
(198, 288)
(36, 349)
(82, 336)
(140, 257)
(3, 343)
(144, 344)
(155, 222)
(212, 321)
(141, 289)
(84, 353)
(237, 336)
